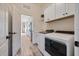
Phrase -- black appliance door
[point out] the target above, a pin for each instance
(55, 48)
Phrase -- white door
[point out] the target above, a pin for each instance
(3, 33)
(16, 30)
(77, 30)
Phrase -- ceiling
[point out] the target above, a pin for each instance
(38, 4)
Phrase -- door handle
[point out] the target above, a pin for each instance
(76, 43)
(8, 37)
(12, 32)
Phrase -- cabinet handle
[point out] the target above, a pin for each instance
(63, 14)
(77, 43)
(66, 13)
(12, 32)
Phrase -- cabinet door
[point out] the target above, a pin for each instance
(46, 14)
(52, 12)
(60, 10)
(34, 37)
(70, 8)
(41, 44)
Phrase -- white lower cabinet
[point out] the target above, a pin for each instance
(41, 44)
(40, 39)
(34, 37)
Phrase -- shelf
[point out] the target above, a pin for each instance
(57, 19)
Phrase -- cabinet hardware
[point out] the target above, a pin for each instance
(63, 14)
(76, 43)
(8, 37)
(12, 32)
(66, 13)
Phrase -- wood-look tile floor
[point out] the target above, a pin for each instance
(27, 48)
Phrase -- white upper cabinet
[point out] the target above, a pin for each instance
(49, 13)
(64, 9)
(60, 10)
(52, 12)
(46, 15)
(70, 9)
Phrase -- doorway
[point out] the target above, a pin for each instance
(26, 26)
(26, 34)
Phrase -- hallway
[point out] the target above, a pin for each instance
(27, 48)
